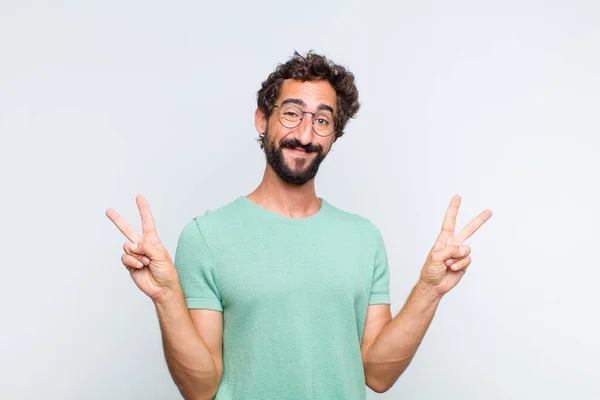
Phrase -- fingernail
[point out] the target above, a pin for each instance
(146, 260)
(463, 250)
(140, 264)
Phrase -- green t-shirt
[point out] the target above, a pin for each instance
(294, 294)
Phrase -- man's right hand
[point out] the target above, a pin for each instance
(145, 257)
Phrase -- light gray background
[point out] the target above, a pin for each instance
(496, 101)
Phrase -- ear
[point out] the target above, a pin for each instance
(260, 121)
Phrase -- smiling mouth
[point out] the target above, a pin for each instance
(298, 151)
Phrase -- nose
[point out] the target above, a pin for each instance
(304, 131)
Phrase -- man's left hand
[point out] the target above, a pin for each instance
(449, 258)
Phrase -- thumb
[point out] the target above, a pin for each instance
(454, 251)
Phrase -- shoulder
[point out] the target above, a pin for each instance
(227, 214)
(210, 232)
(354, 221)
(225, 218)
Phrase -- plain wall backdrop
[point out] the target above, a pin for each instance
(495, 101)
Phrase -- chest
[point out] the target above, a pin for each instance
(278, 272)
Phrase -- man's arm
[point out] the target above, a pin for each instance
(387, 354)
(192, 343)
(389, 345)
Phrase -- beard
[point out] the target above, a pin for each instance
(302, 169)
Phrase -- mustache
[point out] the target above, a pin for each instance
(295, 143)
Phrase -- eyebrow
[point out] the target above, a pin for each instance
(301, 103)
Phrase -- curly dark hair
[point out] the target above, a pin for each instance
(313, 67)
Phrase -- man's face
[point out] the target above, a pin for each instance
(296, 153)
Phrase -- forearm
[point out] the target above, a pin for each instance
(397, 343)
(189, 360)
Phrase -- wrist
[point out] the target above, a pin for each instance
(169, 294)
(428, 291)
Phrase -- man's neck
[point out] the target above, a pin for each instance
(291, 201)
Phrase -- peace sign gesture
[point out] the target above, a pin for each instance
(145, 257)
(448, 260)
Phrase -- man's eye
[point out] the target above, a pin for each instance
(323, 122)
(291, 114)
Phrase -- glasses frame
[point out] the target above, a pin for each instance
(279, 117)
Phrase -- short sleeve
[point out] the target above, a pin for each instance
(380, 289)
(195, 267)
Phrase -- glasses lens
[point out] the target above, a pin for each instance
(323, 123)
(290, 115)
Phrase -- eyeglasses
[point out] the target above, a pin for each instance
(291, 115)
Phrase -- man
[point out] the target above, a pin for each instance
(279, 294)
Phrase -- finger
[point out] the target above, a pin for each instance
(461, 264)
(153, 251)
(454, 251)
(451, 213)
(131, 262)
(439, 244)
(127, 248)
(123, 226)
(147, 218)
(472, 226)
(449, 262)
